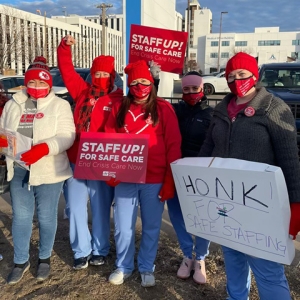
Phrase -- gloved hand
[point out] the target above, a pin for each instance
(295, 219)
(154, 69)
(35, 153)
(167, 190)
(3, 143)
(113, 182)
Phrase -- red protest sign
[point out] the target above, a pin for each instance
(105, 155)
(165, 47)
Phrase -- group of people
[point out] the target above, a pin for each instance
(189, 128)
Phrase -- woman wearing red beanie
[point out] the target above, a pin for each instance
(142, 112)
(93, 106)
(252, 124)
(37, 113)
(194, 117)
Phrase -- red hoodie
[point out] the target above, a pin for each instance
(164, 140)
(79, 91)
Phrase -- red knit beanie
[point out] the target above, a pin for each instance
(104, 63)
(244, 61)
(38, 70)
(138, 69)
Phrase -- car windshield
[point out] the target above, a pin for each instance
(57, 79)
(281, 78)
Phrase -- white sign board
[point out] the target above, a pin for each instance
(239, 204)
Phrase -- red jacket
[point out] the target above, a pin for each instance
(79, 91)
(164, 141)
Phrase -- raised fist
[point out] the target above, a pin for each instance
(69, 40)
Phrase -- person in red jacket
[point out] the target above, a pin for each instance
(142, 112)
(93, 104)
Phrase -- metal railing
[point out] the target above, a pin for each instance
(294, 106)
(211, 101)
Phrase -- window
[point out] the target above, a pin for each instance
(224, 54)
(8, 83)
(295, 42)
(225, 43)
(214, 55)
(281, 77)
(294, 55)
(269, 43)
(20, 80)
(214, 44)
(241, 43)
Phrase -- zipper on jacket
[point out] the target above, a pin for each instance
(28, 185)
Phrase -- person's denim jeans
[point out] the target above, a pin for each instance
(45, 197)
(185, 239)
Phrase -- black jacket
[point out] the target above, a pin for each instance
(269, 137)
(193, 123)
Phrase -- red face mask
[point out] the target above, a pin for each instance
(102, 83)
(241, 87)
(38, 92)
(140, 91)
(192, 98)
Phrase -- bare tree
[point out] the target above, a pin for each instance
(192, 65)
(12, 37)
(234, 50)
(21, 39)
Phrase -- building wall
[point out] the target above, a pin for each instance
(112, 21)
(90, 41)
(30, 37)
(261, 44)
(200, 24)
(155, 13)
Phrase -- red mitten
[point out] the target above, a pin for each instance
(112, 182)
(35, 153)
(3, 143)
(295, 219)
(167, 190)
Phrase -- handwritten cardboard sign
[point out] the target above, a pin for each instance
(105, 155)
(239, 204)
(165, 47)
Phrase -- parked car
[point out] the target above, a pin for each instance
(210, 74)
(58, 81)
(14, 83)
(215, 84)
(283, 80)
(85, 74)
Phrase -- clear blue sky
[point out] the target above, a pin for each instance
(243, 15)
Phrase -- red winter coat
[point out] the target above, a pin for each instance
(79, 91)
(164, 140)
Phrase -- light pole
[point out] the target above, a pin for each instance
(65, 12)
(104, 7)
(218, 67)
(45, 33)
(188, 40)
